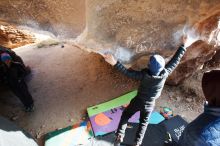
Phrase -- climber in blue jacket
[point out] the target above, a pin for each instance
(152, 82)
(205, 129)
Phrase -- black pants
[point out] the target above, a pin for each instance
(145, 108)
(20, 89)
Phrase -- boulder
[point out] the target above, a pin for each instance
(196, 55)
(12, 37)
(66, 17)
(147, 27)
(131, 29)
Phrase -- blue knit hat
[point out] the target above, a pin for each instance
(5, 57)
(156, 65)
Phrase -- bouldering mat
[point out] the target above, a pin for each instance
(78, 134)
(105, 117)
(107, 140)
(155, 136)
(175, 126)
(108, 121)
(117, 102)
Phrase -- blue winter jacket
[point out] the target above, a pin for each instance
(204, 130)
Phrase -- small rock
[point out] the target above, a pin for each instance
(38, 135)
(84, 118)
(31, 131)
(71, 120)
(189, 100)
(43, 126)
(200, 110)
(171, 94)
(178, 99)
(14, 118)
(189, 108)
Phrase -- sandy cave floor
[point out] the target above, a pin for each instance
(65, 81)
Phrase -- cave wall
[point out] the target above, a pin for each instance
(137, 28)
(140, 25)
(62, 17)
(12, 37)
(143, 25)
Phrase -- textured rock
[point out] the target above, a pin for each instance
(194, 59)
(131, 29)
(216, 57)
(208, 26)
(146, 27)
(62, 17)
(12, 37)
(200, 52)
(143, 25)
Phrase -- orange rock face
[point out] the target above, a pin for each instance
(12, 37)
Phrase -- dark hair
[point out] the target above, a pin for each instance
(211, 87)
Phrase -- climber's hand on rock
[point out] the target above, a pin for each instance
(184, 39)
(110, 59)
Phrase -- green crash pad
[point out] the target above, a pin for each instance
(122, 100)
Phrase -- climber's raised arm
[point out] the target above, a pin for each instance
(138, 75)
(173, 63)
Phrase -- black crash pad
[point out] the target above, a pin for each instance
(175, 126)
(154, 136)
